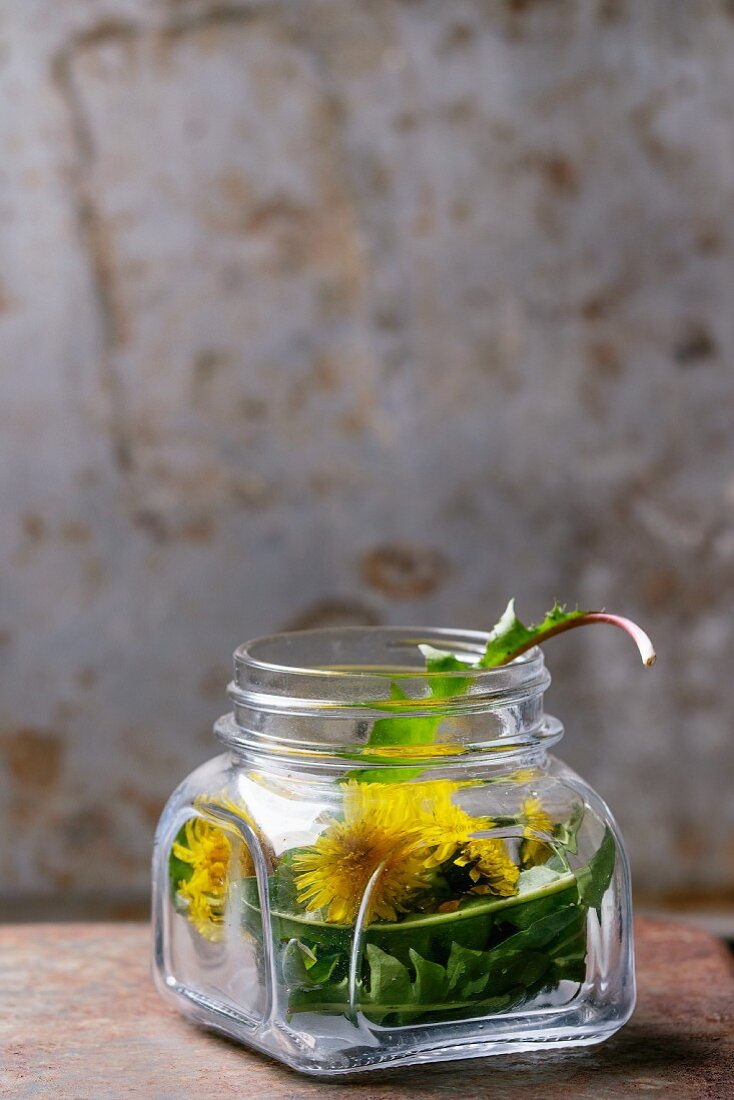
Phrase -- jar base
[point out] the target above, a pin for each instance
(346, 1048)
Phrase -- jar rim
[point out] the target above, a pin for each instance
(406, 638)
(348, 668)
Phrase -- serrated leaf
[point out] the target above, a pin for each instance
(465, 967)
(518, 970)
(389, 981)
(431, 980)
(493, 972)
(510, 635)
(520, 961)
(569, 954)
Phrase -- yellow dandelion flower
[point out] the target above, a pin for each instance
(535, 820)
(379, 835)
(207, 848)
(447, 832)
(492, 870)
(445, 827)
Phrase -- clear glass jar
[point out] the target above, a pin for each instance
(342, 902)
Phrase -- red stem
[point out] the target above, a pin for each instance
(635, 632)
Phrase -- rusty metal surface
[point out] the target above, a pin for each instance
(80, 1020)
(359, 312)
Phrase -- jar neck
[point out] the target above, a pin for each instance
(361, 697)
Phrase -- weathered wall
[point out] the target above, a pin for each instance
(362, 311)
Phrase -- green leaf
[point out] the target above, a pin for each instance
(431, 980)
(419, 730)
(444, 687)
(510, 636)
(295, 974)
(521, 969)
(467, 970)
(521, 960)
(323, 968)
(471, 925)
(415, 729)
(389, 980)
(569, 955)
(495, 971)
(303, 970)
(542, 932)
(338, 937)
(332, 998)
(593, 879)
(282, 883)
(399, 941)
(251, 918)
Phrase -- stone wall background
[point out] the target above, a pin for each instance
(359, 311)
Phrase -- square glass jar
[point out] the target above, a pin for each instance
(386, 866)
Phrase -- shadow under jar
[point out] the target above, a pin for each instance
(386, 866)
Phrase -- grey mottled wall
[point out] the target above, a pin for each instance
(360, 310)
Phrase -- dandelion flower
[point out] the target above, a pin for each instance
(448, 831)
(207, 848)
(378, 836)
(491, 868)
(535, 820)
(445, 827)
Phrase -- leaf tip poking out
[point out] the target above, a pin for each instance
(510, 638)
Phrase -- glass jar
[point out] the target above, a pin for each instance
(386, 866)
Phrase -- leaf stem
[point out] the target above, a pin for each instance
(643, 642)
